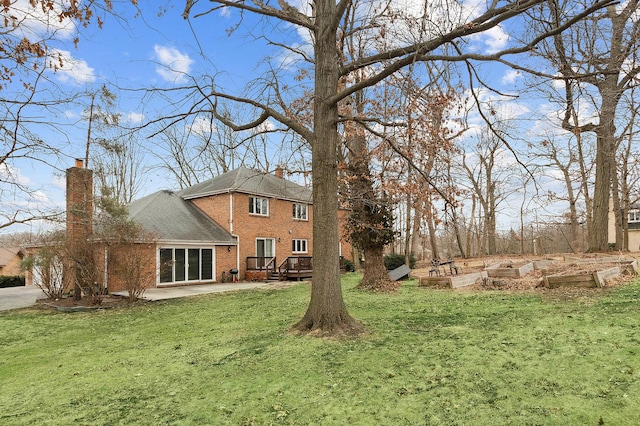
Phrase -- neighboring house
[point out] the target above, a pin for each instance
(633, 221)
(243, 223)
(10, 261)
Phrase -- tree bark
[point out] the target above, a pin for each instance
(433, 241)
(327, 313)
(367, 221)
(415, 233)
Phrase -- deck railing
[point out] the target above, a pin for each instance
(256, 263)
(294, 266)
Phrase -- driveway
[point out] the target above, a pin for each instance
(19, 297)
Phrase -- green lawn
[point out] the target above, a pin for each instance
(432, 357)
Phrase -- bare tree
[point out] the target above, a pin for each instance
(625, 184)
(327, 313)
(597, 59)
(489, 181)
(20, 143)
(117, 158)
(26, 90)
(567, 157)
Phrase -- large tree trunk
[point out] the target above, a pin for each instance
(415, 233)
(367, 219)
(407, 226)
(375, 276)
(605, 167)
(327, 313)
(433, 241)
(456, 229)
(618, 211)
(598, 235)
(471, 227)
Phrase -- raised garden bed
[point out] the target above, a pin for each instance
(509, 270)
(628, 265)
(542, 264)
(453, 281)
(586, 279)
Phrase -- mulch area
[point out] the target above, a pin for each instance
(68, 304)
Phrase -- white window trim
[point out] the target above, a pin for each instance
(298, 240)
(636, 214)
(265, 239)
(173, 273)
(306, 212)
(252, 203)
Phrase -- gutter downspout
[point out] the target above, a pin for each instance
(106, 268)
(231, 231)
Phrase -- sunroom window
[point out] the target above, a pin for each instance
(186, 264)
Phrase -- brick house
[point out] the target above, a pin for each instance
(10, 261)
(633, 223)
(243, 223)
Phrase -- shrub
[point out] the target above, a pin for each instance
(46, 266)
(393, 261)
(349, 266)
(11, 281)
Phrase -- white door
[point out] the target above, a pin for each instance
(265, 247)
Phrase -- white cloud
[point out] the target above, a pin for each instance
(36, 23)
(558, 83)
(59, 181)
(68, 69)
(13, 175)
(225, 12)
(265, 126)
(495, 39)
(135, 117)
(38, 196)
(200, 126)
(510, 77)
(173, 66)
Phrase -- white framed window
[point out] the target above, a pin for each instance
(259, 206)
(300, 211)
(299, 246)
(186, 264)
(634, 216)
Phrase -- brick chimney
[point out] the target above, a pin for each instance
(79, 219)
(279, 172)
(79, 202)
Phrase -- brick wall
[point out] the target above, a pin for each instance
(225, 260)
(79, 197)
(216, 207)
(131, 259)
(279, 225)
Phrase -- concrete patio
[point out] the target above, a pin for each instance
(23, 297)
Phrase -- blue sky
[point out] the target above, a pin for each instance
(160, 49)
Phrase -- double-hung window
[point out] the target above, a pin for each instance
(259, 206)
(299, 246)
(634, 216)
(300, 211)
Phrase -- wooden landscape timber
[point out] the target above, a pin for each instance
(509, 270)
(453, 281)
(629, 265)
(589, 280)
(542, 264)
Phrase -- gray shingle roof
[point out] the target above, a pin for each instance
(249, 182)
(171, 218)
